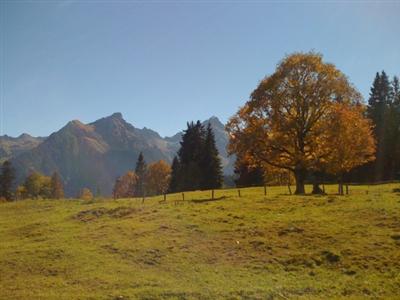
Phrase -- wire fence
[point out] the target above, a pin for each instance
(271, 191)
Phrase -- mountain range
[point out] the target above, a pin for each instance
(93, 155)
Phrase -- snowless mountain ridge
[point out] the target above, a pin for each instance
(93, 155)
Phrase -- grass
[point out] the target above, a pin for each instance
(253, 247)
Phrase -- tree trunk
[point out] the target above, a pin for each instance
(316, 182)
(340, 185)
(300, 176)
(316, 189)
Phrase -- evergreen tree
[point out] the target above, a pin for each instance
(140, 171)
(211, 163)
(395, 128)
(174, 185)
(190, 157)
(396, 91)
(6, 181)
(198, 165)
(57, 187)
(379, 112)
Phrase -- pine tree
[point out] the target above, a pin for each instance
(174, 184)
(211, 163)
(140, 171)
(57, 187)
(379, 112)
(190, 157)
(7, 178)
(395, 129)
(396, 91)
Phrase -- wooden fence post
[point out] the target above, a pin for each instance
(290, 190)
(265, 190)
(212, 194)
(347, 189)
(165, 197)
(183, 196)
(239, 193)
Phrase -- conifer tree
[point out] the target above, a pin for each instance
(395, 129)
(174, 184)
(140, 171)
(57, 187)
(379, 112)
(211, 163)
(190, 157)
(396, 91)
(7, 177)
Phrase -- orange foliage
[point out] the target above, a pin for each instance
(125, 185)
(85, 194)
(158, 177)
(350, 139)
(286, 123)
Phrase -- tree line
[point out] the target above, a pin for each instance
(196, 166)
(35, 186)
(145, 180)
(383, 109)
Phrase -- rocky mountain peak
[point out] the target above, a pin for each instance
(215, 122)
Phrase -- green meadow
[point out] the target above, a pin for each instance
(277, 246)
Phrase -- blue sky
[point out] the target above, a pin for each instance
(162, 63)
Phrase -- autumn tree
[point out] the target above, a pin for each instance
(158, 178)
(20, 192)
(37, 185)
(57, 187)
(7, 177)
(247, 174)
(350, 138)
(140, 171)
(283, 123)
(125, 186)
(86, 194)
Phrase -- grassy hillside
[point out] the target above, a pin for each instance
(253, 247)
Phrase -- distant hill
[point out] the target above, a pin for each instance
(94, 155)
(13, 146)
